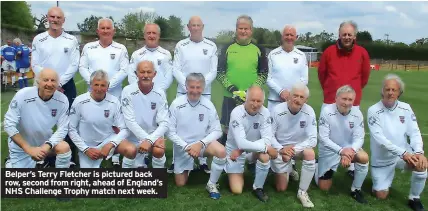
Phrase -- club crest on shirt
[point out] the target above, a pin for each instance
(256, 125)
(153, 106)
(201, 117)
(402, 119)
(296, 60)
(53, 113)
(112, 56)
(106, 113)
(159, 62)
(65, 50)
(205, 51)
(351, 125)
(302, 124)
(413, 117)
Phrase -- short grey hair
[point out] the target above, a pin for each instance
(105, 19)
(350, 22)
(396, 78)
(246, 18)
(99, 75)
(153, 64)
(157, 26)
(345, 89)
(247, 94)
(288, 26)
(195, 77)
(37, 78)
(300, 86)
(17, 40)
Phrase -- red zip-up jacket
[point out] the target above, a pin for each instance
(339, 67)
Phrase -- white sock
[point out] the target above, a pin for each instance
(217, 166)
(316, 174)
(360, 174)
(172, 155)
(351, 167)
(115, 158)
(128, 163)
(293, 162)
(308, 171)
(417, 184)
(63, 160)
(158, 163)
(202, 160)
(262, 170)
(249, 158)
(13, 79)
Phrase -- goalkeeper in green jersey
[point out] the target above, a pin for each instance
(241, 64)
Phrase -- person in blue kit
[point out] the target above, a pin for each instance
(8, 54)
(22, 62)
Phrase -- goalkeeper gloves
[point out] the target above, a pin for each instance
(239, 97)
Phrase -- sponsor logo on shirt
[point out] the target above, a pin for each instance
(256, 125)
(235, 124)
(53, 113)
(413, 117)
(302, 124)
(201, 117)
(153, 106)
(402, 119)
(106, 113)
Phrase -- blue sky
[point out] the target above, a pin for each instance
(403, 21)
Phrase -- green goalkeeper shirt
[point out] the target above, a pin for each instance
(240, 66)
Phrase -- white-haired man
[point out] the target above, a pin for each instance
(92, 116)
(195, 54)
(194, 128)
(295, 135)
(32, 114)
(341, 138)
(287, 66)
(151, 51)
(250, 132)
(106, 54)
(145, 110)
(58, 50)
(391, 123)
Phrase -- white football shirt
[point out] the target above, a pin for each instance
(389, 130)
(190, 122)
(91, 121)
(34, 118)
(195, 57)
(60, 54)
(337, 131)
(246, 130)
(298, 129)
(112, 59)
(146, 115)
(285, 69)
(162, 60)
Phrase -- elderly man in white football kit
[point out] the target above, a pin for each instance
(32, 114)
(341, 137)
(250, 131)
(295, 135)
(145, 110)
(194, 128)
(195, 54)
(160, 57)
(391, 122)
(92, 116)
(105, 54)
(287, 66)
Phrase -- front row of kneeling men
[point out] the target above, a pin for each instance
(101, 126)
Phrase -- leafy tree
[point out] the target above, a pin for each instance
(164, 26)
(176, 27)
(364, 36)
(225, 36)
(17, 13)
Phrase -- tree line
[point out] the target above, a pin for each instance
(16, 14)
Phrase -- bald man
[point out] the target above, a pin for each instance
(29, 121)
(287, 66)
(58, 50)
(250, 132)
(195, 54)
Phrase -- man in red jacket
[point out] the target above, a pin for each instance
(344, 63)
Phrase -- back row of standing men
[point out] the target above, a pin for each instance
(238, 66)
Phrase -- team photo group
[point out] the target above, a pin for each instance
(130, 125)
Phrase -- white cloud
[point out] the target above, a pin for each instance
(424, 8)
(143, 9)
(308, 25)
(390, 8)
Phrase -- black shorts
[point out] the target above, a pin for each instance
(228, 105)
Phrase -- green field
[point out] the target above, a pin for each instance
(194, 196)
